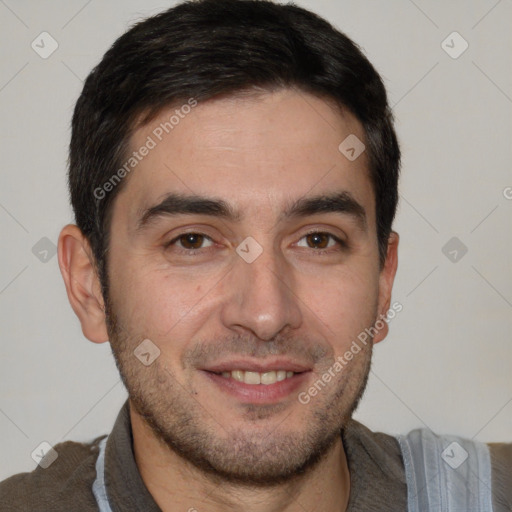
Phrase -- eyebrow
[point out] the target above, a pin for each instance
(180, 204)
(342, 202)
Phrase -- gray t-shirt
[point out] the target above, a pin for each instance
(377, 475)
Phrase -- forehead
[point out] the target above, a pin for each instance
(258, 153)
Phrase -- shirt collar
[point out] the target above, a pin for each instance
(125, 488)
(374, 461)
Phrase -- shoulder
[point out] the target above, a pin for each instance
(378, 449)
(375, 462)
(460, 470)
(64, 484)
(501, 460)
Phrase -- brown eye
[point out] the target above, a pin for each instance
(318, 240)
(191, 241)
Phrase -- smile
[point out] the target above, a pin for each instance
(265, 378)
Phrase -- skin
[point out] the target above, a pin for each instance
(196, 445)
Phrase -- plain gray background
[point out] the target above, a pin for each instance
(446, 363)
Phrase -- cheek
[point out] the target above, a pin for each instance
(346, 303)
(160, 305)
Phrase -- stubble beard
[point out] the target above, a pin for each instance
(257, 457)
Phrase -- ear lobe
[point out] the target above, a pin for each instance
(386, 279)
(83, 287)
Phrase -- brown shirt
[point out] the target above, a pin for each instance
(375, 462)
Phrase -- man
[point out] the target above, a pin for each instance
(233, 172)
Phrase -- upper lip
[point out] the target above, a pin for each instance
(258, 365)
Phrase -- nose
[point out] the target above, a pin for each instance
(261, 298)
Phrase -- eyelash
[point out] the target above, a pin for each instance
(323, 252)
(319, 252)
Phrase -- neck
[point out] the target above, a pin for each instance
(175, 484)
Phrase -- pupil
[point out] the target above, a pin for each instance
(192, 240)
(318, 239)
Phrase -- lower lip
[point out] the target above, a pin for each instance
(259, 393)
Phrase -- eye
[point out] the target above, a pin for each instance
(191, 241)
(320, 241)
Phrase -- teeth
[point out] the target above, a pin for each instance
(281, 375)
(238, 375)
(268, 378)
(258, 378)
(252, 378)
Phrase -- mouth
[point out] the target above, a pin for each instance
(256, 382)
(254, 378)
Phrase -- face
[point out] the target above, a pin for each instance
(257, 274)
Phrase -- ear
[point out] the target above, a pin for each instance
(386, 279)
(83, 287)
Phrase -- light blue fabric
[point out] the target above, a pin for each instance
(98, 487)
(443, 473)
(446, 473)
